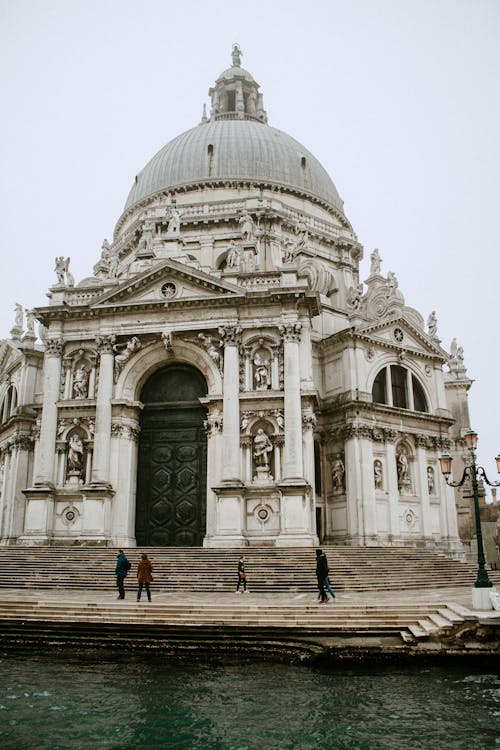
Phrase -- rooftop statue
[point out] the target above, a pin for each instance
(236, 55)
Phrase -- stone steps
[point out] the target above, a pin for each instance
(269, 569)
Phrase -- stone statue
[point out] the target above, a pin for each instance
(212, 349)
(432, 324)
(262, 373)
(236, 56)
(64, 277)
(233, 255)
(354, 294)
(75, 453)
(133, 345)
(30, 322)
(247, 227)
(375, 261)
(18, 316)
(262, 447)
(80, 383)
(392, 281)
(338, 471)
(174, 221)
(430, 480)
(403, 467)
(378, 475)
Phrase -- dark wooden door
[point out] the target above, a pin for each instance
(171, 476)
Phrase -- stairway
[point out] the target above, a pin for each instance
(269, 570)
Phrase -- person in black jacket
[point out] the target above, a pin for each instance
(321, 574)
(121, 570)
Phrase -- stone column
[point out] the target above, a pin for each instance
(392, 489)
(421, 442)
(293, 462)
(230, 336)
(45, 456)
(123, 475)
(102, 436)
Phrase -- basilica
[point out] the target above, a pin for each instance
(224, 378)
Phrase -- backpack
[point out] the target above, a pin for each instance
(129, 564)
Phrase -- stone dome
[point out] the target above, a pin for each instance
(235, 150)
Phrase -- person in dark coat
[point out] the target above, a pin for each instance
(242, 576)
(326, 582)
(321, 574)
(144, 576)
(121, 570)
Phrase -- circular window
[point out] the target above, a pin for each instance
(169, 290)
(398, 335)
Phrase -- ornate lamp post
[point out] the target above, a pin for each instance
(472, 472)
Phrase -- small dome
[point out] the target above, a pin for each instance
(236, 72)
(235, 150)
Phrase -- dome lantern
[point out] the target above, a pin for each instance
(235, 95)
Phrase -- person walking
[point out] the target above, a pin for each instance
(144, 576)
(321, 574)
(326, 582)
(242, 576)
(121, 570)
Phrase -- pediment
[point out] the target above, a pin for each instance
(170, 281)
(9, 356)
(403, 334)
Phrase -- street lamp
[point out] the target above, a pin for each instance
(472, 472)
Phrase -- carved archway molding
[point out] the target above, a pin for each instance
(150, 358)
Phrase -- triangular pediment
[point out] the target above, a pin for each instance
(401, 333)
(169, 281)
(9, 355)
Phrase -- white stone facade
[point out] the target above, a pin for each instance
(325, 404)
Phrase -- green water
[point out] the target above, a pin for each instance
(95, 700)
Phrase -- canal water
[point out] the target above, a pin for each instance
(99, 700)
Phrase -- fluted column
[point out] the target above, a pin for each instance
(230, 336)
(102, 436)
(293, 463)
(45, 456)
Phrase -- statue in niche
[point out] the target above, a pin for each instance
(262, 447)
(174, 221)
(262, 372)
(375, 261)
(80, 383)
(403, 468)
(244, 423)
(247, 227)
(338, 473)
(233, 255)
(432, 324)
(354, 294)
(430, 480)
(75, 453)
(378, 475)
(133, 345)
(289, 251)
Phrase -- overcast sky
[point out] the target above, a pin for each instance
(398, 99)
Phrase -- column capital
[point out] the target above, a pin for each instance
(54, 347)
(105, 344)
(291, 331)
(230, 335)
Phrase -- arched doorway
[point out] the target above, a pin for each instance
(171, 475)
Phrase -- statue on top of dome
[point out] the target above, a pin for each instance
(236, 55)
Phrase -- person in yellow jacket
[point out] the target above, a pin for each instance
(144, 576)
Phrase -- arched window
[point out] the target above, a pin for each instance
(397, 386)
(9, 403)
